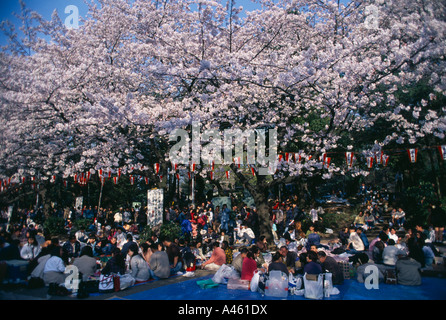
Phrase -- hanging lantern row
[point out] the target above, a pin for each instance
(379, 158)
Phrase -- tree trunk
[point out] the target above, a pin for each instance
(261, 202)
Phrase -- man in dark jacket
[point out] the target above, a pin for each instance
(330, 264)
(289, 258)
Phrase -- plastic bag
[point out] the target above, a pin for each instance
(225, 272)
(328, 282)
(334, 291)
(314, 289)
(255, 281)
(126, 281)
(267, 257)
(295, 281)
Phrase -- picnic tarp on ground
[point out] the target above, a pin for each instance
(431, 289)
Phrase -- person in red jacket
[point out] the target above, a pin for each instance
(249, 266)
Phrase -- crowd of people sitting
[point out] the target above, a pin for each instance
(212, 237)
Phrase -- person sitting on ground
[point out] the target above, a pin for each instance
(138, 267)
(313, 238)
(237, 262)
(81, 236)
(71, 249)
(369, 220)
(126, 246)
(312, 267)
(359, 220)
(378, 248)
(159, 262)
(390, 254)
(331, 265)
(415, 246)
(197, 250)
(260, 260)
(86, 263)
(343, 236)
(30, 250)
(392, 234)
(145, 251)
(408, 271)
(54, 270)
(262, 244)
(116, 264)
(362, 265)
(228, 251)
(217, 259)
(289, 258)
(429, 255)
(363, 237)
(355, 243)
(174, 253)
(249, 266)
(245, 234)
(278, 264)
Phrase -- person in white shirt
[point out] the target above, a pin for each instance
(81, 236)
(118, 218)
(121, 238)
(31, 249)
(392, 235)
(245, 233)
(355, 243)
(54, 270)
